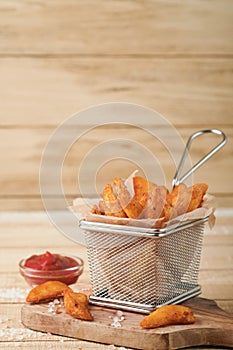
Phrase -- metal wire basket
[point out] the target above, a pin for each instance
(139, 269)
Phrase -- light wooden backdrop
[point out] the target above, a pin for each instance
(58, 57)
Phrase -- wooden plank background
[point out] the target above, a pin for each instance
(59, 57)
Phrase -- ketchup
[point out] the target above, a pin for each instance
(48, 266)
(50, 262)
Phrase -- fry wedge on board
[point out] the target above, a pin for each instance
(168, 315)
(76, 305)
(46, 291)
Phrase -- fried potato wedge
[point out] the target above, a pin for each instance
(180, 198)
(96, 210)
(130, 205)
(46, 291)
(155, 203)
(198, 192)
(185, 199)
(168, 212)
(168, 315)
(76, 305)
(111, 204)
(142, 187)
(146, 200)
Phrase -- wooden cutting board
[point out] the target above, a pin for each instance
(213, 326)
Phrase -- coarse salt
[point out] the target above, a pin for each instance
(54, 307)
(117, 319)
(111, 347)
(4, 319)
(13, 294)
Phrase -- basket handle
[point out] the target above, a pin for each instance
(176, 179)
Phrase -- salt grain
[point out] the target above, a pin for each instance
(119, 313)
(117, 319)
(18, 334)
(4, 319)
(13, 294)
(111, 347)
(54, 307)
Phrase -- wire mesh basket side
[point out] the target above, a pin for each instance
(144, 270)
(178, 262)
(122, 267)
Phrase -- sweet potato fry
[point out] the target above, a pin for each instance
(76, 305)
(111, 204)
(46, 291)
(130, 205)
(168, 315)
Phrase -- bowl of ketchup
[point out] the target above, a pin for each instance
(41, 268)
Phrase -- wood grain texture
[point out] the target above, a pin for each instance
(58, 57)
(26, 233)
(22, 203)
(46, 91)
(22, 151)
(116, 27)
(32, 225)
(212, 327)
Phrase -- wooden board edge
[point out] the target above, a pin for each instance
(169, 339)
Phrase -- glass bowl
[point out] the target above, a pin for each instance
(68, 275)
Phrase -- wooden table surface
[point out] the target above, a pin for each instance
(59, 57)
(26, 233)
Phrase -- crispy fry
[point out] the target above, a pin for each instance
(185, 199)
(142, 187)
(168, 213)
(180, 198)
(198, 192)
(76, 305)
(130, 205)
(46, 291)
(168, 315)
(111, 204)
(155, 203)
(149, 201)
(96, 210)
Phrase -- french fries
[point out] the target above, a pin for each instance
(198, 192)
(155, 203)
(149, 201)
(168, 315)
(76, 304)
(131, 207)
(111, 203)
(46, 291)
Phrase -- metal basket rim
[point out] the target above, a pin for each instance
(136, 230)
